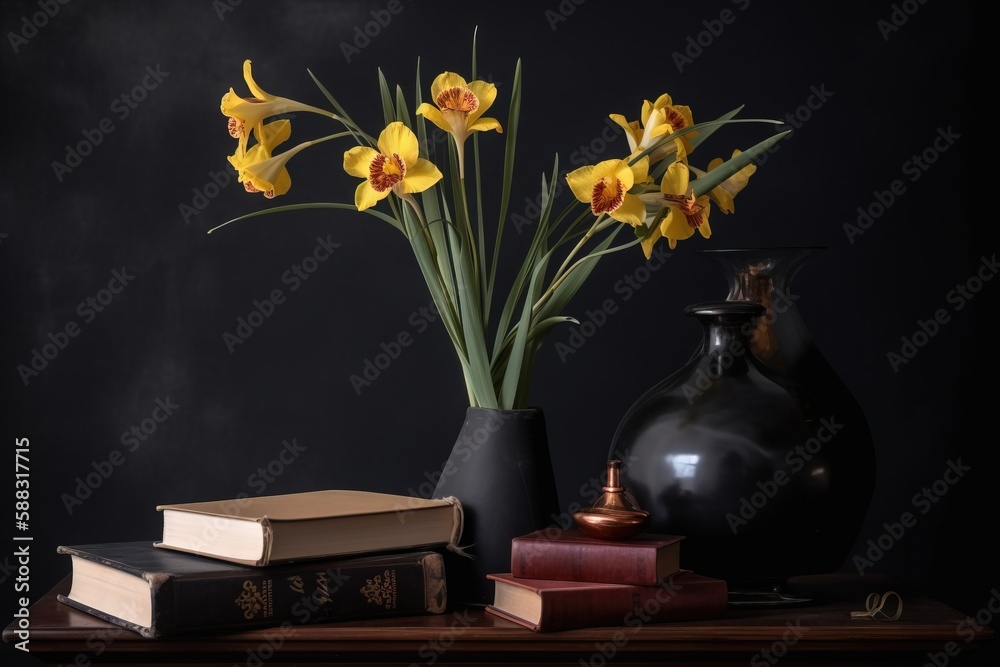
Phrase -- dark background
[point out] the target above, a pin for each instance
(161, 337)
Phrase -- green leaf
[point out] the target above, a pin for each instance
(574, 279)
(699, 127)
(514, 375)
(541, 328)
(537, 331)
(446, 309)
(513, 117)
(298, 207)
(401, 111)
(475, 34)
(387, 108)
(706, 132)
(345, 119)
(474, 332)
(713, 178)
(328, 96)
(538, 247)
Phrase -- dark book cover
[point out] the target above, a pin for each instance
(571, 555)
(190, 593)
(566, 605)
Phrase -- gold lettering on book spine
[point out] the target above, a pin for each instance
(255, 602)
(381, 589)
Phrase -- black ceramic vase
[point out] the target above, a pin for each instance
(739, 460)
(501, 471)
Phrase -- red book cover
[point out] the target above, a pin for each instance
(545, 605)
(571, 555)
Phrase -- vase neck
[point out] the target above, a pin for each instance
(722, 336)
(726, 327)
(763, 275)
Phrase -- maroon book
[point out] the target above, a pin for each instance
(570, 555)
(545, 605)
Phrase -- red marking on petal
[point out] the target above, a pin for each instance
(384, 171)
(675, 119)
(457, 98)
(237, 128)
(688, 206)
(607, 195)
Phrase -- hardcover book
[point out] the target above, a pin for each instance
(158, 592)
(546, 605)
(265, 530)
(571, 555)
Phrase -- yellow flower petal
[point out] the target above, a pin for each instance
(650, 240)
(632, 131)
(444, 81)
(366, 196)
(610, 168)
(256, 90)
(640, 170)
(399, 139)
(282, 183)
(675, 180)
(275, 133)
(675, 226)
(268, 172)
(485, 124)
(723, 199)
(357, 161)
(581, 182)
(704, 229)
(486, 93)
(420, 176)
(624, 173)
(632, 211)
(434, 115)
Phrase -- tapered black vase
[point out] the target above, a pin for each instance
(742, 461)
(501, 471)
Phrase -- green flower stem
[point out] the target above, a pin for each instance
(586, 237)
(469, 238)
(589, 257)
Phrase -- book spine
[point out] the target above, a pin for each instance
(301, 593)
(148, 633)
(610, 563)
(632, 606)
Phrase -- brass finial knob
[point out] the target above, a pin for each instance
(615, 515)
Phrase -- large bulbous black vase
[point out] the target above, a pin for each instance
(742, 461)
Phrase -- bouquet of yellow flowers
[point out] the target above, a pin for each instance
(652, 190)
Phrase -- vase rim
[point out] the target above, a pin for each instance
(717, 308)
(506, 410)
(761, 249)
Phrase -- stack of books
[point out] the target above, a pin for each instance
(564, 579)
(270, 560)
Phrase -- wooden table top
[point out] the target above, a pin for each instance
(822, 634)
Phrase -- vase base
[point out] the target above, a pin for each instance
(754, 599)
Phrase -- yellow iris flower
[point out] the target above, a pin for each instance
(394, 167)
(605, 187)
(685, 212)
(246, 162)
(724, 193)
(658, 119)
(676, 115)
(248, 113)
(459, 107)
